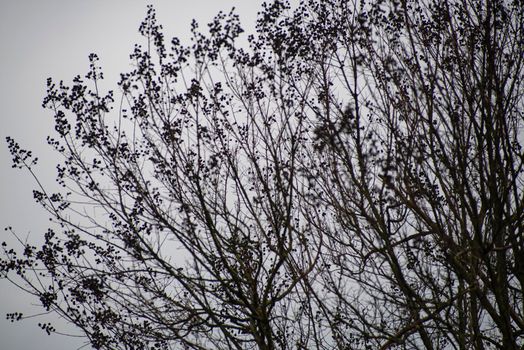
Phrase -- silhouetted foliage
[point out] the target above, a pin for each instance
(351, 180)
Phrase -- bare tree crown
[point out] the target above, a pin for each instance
(351, 180)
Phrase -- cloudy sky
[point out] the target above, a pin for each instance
(53, 38)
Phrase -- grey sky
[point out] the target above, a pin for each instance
(52, 38)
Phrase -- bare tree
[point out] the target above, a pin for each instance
(422, 172)
(353, 179)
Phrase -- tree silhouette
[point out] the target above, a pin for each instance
(351, 180)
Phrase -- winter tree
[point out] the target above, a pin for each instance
(351, 179)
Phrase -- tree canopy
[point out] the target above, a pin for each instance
(350, 179)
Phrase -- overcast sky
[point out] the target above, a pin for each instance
(53, 38)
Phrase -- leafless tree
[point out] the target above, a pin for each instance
(422, 174)
(352, 180)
